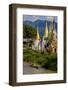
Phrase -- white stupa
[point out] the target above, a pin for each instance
(37, 45)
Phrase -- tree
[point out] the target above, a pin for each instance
(29, 31)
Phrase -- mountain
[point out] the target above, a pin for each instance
(41, 24)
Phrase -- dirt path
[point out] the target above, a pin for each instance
(27, 69)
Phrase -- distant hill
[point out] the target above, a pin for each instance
(41, 24)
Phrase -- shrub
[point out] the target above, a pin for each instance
(45, 60)
(51, 62)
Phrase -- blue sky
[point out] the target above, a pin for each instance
(37, 17)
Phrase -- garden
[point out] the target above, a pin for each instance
(40, 59)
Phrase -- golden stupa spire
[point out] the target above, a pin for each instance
(55, 34)
(37, 36)
(46, 31)
(50, 29)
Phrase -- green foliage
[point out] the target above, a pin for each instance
(51, 62)
(45, 60)
(29, 31)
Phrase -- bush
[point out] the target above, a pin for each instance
(51, 62)
(45, 60)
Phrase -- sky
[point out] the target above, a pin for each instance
(37, 17)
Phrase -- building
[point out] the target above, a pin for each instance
(36, 45)
(48, 43)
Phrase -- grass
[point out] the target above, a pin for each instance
(48, 61)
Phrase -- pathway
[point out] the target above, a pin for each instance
(27, 69)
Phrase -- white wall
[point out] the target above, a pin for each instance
(4, 44)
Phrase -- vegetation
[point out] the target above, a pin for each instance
(29, 31)
(38, 58)
(45, 60)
